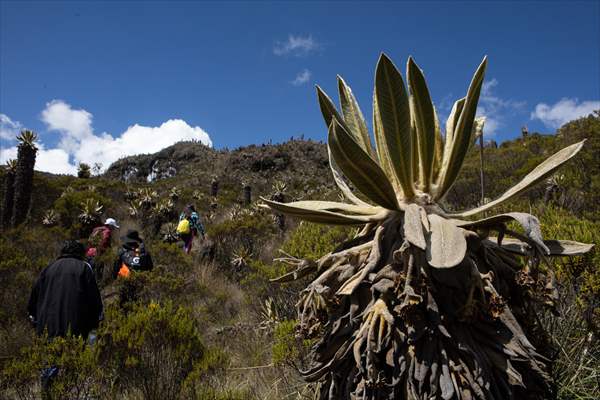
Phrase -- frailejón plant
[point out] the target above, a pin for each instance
(422, 303)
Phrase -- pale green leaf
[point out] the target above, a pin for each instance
(540, 172)
(424, 117)
(413, 227)
(462, 134)
(557, 248)
(439, 147)
(319, 216)
(446, 243)
(360, 168)
(338, 177)
(529, 223)
(353, 117)
(393, 118)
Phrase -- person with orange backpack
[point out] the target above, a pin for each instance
(132, 257)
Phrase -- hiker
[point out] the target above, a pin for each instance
(132, 257)
(189, 226)
(98, 242)
(65, 300)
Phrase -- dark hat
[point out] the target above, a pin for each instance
(132, 237)
(72, 248)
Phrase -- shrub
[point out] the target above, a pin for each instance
(287, 348)
(152, 349)
(79, 373)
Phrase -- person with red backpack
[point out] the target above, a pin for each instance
(98, 242)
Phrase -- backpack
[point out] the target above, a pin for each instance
(132, 260)
(183, 228)
(124, 271)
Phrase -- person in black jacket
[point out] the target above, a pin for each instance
(65, 300)
(65, 297)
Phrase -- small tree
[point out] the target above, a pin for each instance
(84, 171)
(24, 176)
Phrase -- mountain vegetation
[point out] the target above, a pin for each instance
(213, 324)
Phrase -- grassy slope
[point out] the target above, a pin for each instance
(237, 310)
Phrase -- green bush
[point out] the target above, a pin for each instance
(68, 207)
(312, 241)
(80, 375)
(153, 348)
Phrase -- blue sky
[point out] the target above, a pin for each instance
(102, 80)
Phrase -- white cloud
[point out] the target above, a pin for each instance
(53, 160)
(79, 143)
(137, 139)
(296, 45)
(565, 110)
(301, 78)
(9, 129)
(60, 116)
(495, 108)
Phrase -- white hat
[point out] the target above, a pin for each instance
(111, 222)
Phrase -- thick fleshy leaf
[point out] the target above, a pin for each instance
(393, 122)
(462, 134)
(338, 177)
(382, 151)
(334, 206)
(452, 122)
(320, 216)
(413, 227)
(360, 168)
(424, 117)
(329, 113)
(327, 107)
(567, 247)
(540, 172)
(529, 223)
(439, 147)
(446, 243)
(353, 117)
(557, 247)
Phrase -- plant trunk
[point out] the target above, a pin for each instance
(247, 195)
(9, 195)
(23, 184)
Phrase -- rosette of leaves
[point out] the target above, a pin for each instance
(237, 212)
(50, 218)
(241, 258)
(91, 210)
(168, 233)
(147, 198)
(279, 192)
(197, 195)
(163, 209)
(9, 193)
(130, 194)
(422, 303)
(68, 190)
(134, 208)
(174, 193)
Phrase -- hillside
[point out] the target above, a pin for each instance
(212, 325)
